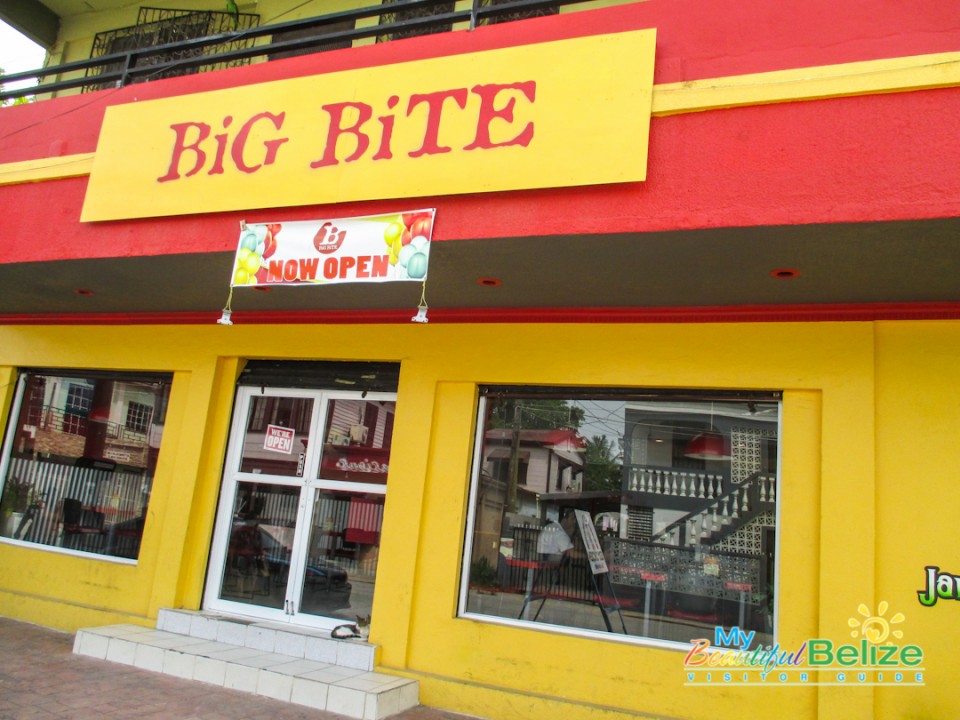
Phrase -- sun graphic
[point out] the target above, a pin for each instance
(875, 628)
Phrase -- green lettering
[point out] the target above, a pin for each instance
(911, 655)
(847, 655)
(821, 652)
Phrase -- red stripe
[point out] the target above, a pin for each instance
(718, 314)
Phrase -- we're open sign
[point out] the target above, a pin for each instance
(278, 439)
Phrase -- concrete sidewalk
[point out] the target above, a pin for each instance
(41, 678)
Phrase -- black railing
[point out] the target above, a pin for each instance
(141, 65)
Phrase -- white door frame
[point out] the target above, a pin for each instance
(309, 483)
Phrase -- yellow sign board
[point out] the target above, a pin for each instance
(556, 114)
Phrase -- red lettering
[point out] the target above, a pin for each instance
(275, 271)
(434, 102)
(272, 146)
(386, 121)
(346, 264)
(336, 129)
(381, 265)
(488, 112)
(363, 266)
(290, 270)
(308, 268)
(330, 268)
(181, 145)
(191, 135)
(221, 139)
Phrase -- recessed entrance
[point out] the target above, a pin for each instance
(297, 536)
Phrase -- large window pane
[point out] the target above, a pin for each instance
(342, 559)
(639, 514)
(275, 442)
(79, 460)
(261, 541)
(357, 440)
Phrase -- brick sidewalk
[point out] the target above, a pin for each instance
(41, 678)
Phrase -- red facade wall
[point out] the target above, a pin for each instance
(881, 157)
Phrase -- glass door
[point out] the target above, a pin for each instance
(298, 528)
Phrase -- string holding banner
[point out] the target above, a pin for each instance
(371, 249)
(421, 316)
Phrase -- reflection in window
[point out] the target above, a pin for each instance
(78, 466)
(357, 440)
(318, 44)
(344, 546)
(275, 441)
(642, 514)
(138, 417)
(428, 10)
(261, 538)
(515, 15)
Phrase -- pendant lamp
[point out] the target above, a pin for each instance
(708, 445)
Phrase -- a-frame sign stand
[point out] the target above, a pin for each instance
(598, 566)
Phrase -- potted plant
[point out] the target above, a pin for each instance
(483, 577)
(764, 604)
(17, 497)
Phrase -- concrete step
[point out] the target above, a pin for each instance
(298, 642)
(305, 669)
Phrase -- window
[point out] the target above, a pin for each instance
(138, 417)
(634, 514)
(79, 458)
(511, 16)
(319, 44)
(440, 7)
(165, 26)
(75, 413)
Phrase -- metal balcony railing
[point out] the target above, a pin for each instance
(395, 19)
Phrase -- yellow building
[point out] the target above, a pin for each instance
(616, 336)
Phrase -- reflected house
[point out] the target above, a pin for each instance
(125, 418)
(86, 448)
(699, 493)
(546, 461)
(541, 461)
(668, 466)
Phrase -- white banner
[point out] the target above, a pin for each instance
(380, 248)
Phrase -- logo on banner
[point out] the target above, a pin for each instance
(278, 439)
(380, 248)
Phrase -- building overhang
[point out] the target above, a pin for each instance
(34, 19)
(843, 271)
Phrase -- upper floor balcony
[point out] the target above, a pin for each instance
(117, 44)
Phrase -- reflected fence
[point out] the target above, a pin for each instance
(694, 584)
(84, 508)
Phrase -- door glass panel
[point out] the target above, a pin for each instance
(342, 557)
(261, 542)
(357, 440)
(276, 433)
